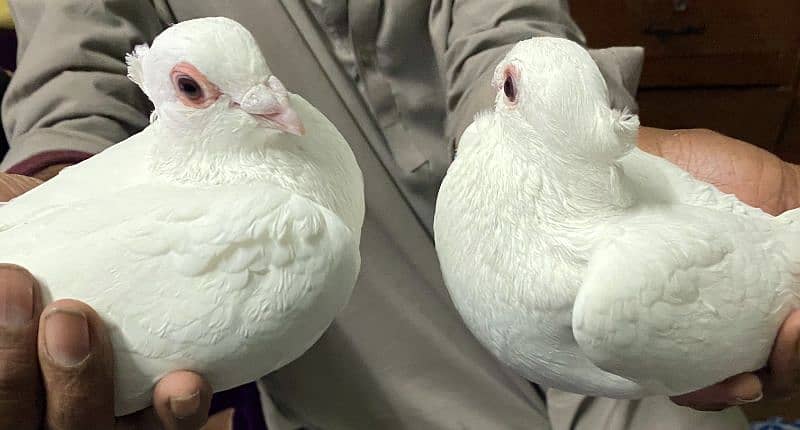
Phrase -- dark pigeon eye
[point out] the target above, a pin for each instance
(190, 88)
(510, 89)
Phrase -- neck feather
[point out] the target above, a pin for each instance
(565, 186)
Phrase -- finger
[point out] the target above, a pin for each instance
(181, 400)
(77, 367)
(736, 390)
(50, 172)
(784, 362)
(14, 185)
(20, 386)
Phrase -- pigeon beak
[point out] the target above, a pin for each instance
(284, 119)
(270, 103)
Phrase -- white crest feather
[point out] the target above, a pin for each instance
(625, 121)
(626, 126)
(134, 62)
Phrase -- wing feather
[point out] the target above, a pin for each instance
(120, 166)
(677, 301)
(169, 271)
(657, 178)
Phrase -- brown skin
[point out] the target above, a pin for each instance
(39, 391)
(752, 174)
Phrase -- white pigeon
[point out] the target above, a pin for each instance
(223, 238)
(590, 266)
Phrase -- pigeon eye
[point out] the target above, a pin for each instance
(190, 88)
(510, 89)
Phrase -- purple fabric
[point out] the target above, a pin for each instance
(8, 55)
(33, 165)
(246, 403)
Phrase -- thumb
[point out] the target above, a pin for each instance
(14, 185)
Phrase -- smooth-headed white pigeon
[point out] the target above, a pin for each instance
(223, 238)
(588, 265)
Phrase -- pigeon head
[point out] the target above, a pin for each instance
(211, 71)
(551, 85)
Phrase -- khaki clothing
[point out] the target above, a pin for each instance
(422, 66)
(400, 80)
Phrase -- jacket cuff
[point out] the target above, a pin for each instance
(36, 163)
(43, 148)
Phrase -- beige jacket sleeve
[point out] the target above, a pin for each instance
(70, 97)
(472, 36)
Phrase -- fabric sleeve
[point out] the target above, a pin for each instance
(472, 36)
(70, 97)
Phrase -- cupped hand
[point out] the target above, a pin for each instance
(754, 175)
(762, 180)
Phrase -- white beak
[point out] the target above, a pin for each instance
(271, 104)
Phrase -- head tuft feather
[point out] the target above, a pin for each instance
(626, 127)
(625, 121)
(134, 61)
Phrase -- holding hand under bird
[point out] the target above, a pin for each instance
(222, 239)
(590, 266)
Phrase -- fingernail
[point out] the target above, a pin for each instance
(185, 406)
(66, 337)
(16, 302)
(742, 401)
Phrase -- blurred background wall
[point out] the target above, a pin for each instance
(731, 65)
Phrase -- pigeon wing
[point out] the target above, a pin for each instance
(174, 267)
(656, 178)
(681, 299)
(119, 166)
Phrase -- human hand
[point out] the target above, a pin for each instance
(762, 180)
(14, 185)
(56, 364)
(56, 369)
(752, 174)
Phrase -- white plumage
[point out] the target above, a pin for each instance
(223, 238)
(588, 265)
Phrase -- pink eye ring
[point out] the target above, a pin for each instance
(192, 88)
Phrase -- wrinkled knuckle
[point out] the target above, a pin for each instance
(77, 406)
(14, 361)
(16, 340)
(16, 377)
